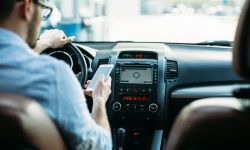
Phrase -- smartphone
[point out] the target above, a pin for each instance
(103, 69)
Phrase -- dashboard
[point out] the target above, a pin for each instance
(152, 82)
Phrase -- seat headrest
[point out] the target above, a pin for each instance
(241, 50)
(23, 122)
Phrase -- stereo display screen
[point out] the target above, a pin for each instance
(136, 75)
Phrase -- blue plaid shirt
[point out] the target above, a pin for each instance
(54, 86)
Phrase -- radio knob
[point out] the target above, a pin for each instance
(117, 106)
(153, 107)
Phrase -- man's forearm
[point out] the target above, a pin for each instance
(41, 45)
(99, 114)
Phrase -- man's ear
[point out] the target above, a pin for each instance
(27, 10)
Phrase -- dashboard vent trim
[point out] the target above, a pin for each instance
(172, 70)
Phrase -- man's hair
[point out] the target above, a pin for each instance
(6, 7)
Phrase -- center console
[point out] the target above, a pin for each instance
(135, 90)
(135, 103)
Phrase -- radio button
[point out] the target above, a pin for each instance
(133, 107)
(127, 107)
(142, 108)
(116, 106)
(153, 107)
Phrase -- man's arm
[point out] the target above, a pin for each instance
(100, 95)
(78, 127)
(52, 39)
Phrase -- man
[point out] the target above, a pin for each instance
(49, 81)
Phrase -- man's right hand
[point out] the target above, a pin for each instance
(101, 91)
(100, 95)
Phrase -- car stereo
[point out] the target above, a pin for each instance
(135, 89)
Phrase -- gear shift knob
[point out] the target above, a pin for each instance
(120, 138)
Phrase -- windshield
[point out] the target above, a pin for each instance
(178, 21)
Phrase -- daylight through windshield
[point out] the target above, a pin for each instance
(180, 21)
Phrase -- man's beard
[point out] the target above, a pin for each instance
(33, 30)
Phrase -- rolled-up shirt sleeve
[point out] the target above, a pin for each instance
(72, 117)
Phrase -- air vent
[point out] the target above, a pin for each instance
(172, 70)
(102, 61)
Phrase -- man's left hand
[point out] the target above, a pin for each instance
(52, 39)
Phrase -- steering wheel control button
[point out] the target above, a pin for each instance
(117, 106)
(153, 107)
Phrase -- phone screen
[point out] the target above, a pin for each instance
(103, 69)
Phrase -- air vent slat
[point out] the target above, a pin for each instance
(172, 70)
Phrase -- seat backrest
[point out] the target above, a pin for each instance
(241, 50)
(24, 125)
(214, 123)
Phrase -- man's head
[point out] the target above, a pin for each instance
(24, 17)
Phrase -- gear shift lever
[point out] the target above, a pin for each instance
(120, 138)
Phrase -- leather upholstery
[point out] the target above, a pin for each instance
(214, 123)
(241, 50)
(24, 125)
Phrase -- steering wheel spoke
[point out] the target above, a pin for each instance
(68, 54)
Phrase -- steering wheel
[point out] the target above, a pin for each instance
(67, 54)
